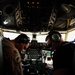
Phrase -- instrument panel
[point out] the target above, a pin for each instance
(35, 60)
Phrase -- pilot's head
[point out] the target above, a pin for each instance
(22, 42)
(53, 39)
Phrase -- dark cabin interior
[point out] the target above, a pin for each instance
(37, 16)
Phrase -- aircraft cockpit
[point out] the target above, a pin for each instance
(37, 59)
(35, 18)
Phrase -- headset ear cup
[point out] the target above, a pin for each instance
(55, 37)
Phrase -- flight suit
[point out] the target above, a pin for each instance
(12, 60)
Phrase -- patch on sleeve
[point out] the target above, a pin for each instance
(17, 59)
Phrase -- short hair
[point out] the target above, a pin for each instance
(22, 38)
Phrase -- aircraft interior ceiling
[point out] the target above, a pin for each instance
(37, 16)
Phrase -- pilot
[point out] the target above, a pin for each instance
(11, 54)
(63, 53)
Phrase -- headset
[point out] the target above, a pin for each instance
(54, 36)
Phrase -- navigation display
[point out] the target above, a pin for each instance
(46, 57)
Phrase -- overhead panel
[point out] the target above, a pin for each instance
(34, 15)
